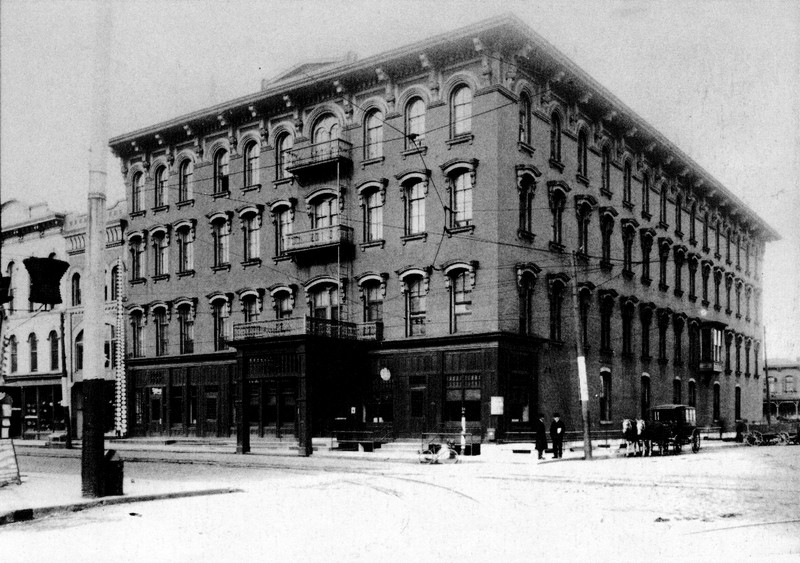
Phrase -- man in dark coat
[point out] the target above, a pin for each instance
(541, 436)
(557, 435)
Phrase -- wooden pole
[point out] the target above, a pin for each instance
(582, 380)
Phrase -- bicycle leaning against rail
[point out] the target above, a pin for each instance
(446, 453)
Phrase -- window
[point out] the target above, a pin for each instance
(627, 174)
(715, 407)
(738, 341)
(162, 331)
(53, 338)
(646, 317)
(220, 312)
(284, 303)
(415, 207)
(220, 234)
(717, 281)
(12, 353)
(677, 392)
(325, 136)
(555, 137)
(415, 306)
(693, 224)
(160, 253)
(373, 216)
(283, 155)
(738, 298)
(76, 289)
(526, 188)
(526, 282)
(788, 384)
(606, 310)
(252, 151)
(283, 227)
(461, 111)
(693, 263)
(325, 302)
(186, 328)
(663, 207)
(705, 232)
(678, 216)
(663, 323)
(137, 334)
(250, 308)
(137, 257)
(185, 239)
(415, 123)
(605, 165)
(644, 397)
(251, 227)
(605, 395)
(221, 162)
(557, 287)
(584, 215)
(627, 328)
(663, 255)
(373, 302)
(583, 145)
(647, 245)
(185, 174)
(460, 301)
(79, 351)
(463, 396)
(461, 204)
(747, 344)
(525, 118)
(11, 290)
(728, 237)
(584, 304)
(114, 282)
(606, 229)
(373, 135)
(557, 202)
(162, 178)
(680, 255)
(645, 196)
(677, 328)
(628, 236)
(691, 392)
(737, 414)
(33, 345)
(728, 285)
(137, 195)
(326, 212)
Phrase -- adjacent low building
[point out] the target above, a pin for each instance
(392, 244)
(783, 398)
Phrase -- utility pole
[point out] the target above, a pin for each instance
(584, 384)
(766, 379)
(66, 392)
(92, 462)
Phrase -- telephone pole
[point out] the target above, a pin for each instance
(584, 384)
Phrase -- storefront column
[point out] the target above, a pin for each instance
(242, 405)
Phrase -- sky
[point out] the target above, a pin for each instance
(720, 79)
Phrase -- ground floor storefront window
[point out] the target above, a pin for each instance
(463, 393)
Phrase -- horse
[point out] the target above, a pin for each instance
(630, 431)
(657, 434)
(643, 443)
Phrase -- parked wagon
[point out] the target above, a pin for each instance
(672, 427)
(770, 434)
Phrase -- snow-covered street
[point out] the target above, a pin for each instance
(725, 503)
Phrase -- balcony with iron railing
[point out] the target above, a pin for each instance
(307, 326)
(323, 237)
(319, 157)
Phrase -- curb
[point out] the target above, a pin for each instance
(28, 514)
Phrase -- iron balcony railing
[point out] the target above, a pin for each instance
(307, 156)
(298, 326)
(317, 238)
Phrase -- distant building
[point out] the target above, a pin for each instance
(42, 376)
(387, 244)
(784, 397)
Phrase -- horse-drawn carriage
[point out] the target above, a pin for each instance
(669, 429)
(769, 434)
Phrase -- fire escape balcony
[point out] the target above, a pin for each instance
(302, 326)
(320, 158)
(315, 239)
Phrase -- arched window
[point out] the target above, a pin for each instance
(557, 203)
(137, 195)
(76, 289)
(606, 311)
(186, 327)
(184, 236)
(627, 312)
(185, 174)
(628, 236)
(461, 111)
(12, 352)
(53, 338)
(527, 283)
(646, 318)
(663, 208)
(373, 301)
(161, 320)
(788, 384)
(605, 168)
(283, 155)
(525, 118)
(160, 253)
(326, 212)
(583, 142)
(79, 351)
(137, 334)
(11, 287)
(555, 137)
(645, 196)
(415, 123)
(325, 302)
(252, 151)
(220, 235)
(33, 344)
(527, 190)
(627, 174)
(606, 230)
(114, 281)
(220, 312)
(373, 216)
(584, 216)
(605, 396)
(460, 282)
(283, 218)
(250, 308)
(691, 392)
(677, 393)
(284, 303)
(326, 136)
(373, 135)
(251, 228)
(137, 257)
(221, 162)
(461, 199)
(416, 305)
(162, 179)
(415, 207)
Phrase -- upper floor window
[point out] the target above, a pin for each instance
(54, 349)
(416, 305)
(283, 155)
(185, 175)
(186, 327)
(137, 257)
(220, 235)
(373, 135)
(460, 282)
(628, 236)
(185, 239)
(373, 216)
(627, 174)
(584, 215)
(526, 282)
(221, 163)
(663, 207)
(555, 137)
(33, 344)
(137, 334)
(606, 168)
(160, 253)
(325, 302)
(415, 207)
(415, 122)
(527, 189)
(461, 111)
(326, 134)
(677, 389)
(373, 301)
(326, 212)
(11, 288)
(137, 196)
(284, 304)
(220, 313)
(606, 310)
(557, 288)
(162, 179)
(788, 384)
(283, 220)
(76, 289)
(114, 282)
(79, 351)
(691, 398)
(12, 352)
(252, 151)
(583, 162)
(557, 202)
(606, 229)
(162, 331)
(461, 199)
(646, 195)
(251, 228)
(525, 118)
(250, 308)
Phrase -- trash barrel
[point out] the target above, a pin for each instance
(112, 484)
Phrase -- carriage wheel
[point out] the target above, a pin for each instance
(783, 439)
(750, 439)
(695, 442)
